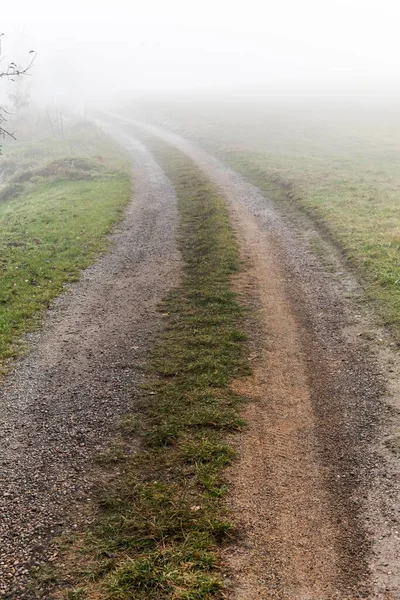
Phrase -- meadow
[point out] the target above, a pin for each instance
(59, 199)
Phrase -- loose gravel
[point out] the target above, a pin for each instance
(60, 405)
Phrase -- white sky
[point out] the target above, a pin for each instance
(97, 48)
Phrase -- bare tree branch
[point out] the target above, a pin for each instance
(3, 119)
(11, 72)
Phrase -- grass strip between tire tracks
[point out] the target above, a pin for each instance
(161, 519)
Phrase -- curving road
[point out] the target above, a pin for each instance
(315, 492)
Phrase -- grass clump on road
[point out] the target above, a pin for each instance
(54, 217)
(161, 520)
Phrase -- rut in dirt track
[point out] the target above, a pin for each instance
(306, 490)
(58, 407)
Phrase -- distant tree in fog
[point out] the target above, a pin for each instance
(19, 97)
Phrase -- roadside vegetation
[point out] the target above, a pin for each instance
(355, 202)
(58, 199)
(160, 519)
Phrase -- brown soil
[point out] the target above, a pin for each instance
(313, 493)
(278, 492)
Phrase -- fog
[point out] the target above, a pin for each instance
(93, 53)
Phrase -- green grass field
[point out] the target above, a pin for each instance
(55, 212)
(340, 166)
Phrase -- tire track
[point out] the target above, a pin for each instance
(313, 498)
(61, 403)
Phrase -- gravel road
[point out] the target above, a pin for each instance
(59, 406)
(315, 492)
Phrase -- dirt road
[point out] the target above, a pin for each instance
(58, 407)
(314, 491)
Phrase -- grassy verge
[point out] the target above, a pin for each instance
(358, 211)
(161, 519)
(55, 212)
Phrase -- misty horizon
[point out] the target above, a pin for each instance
(92, 54)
